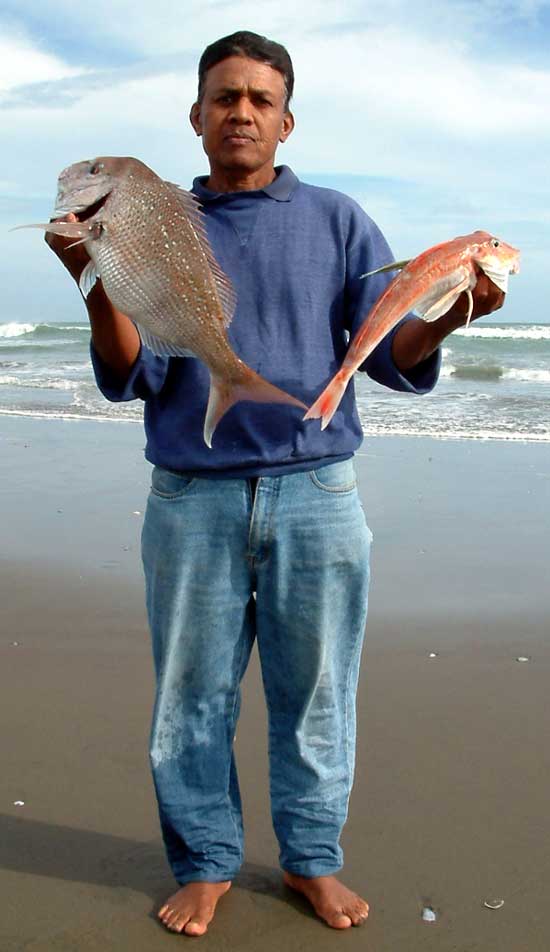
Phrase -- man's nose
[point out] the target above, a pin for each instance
(242, 111)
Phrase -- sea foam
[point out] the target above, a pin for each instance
(15, 329)
(525, 332)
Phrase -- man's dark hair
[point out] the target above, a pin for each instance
(245, 43)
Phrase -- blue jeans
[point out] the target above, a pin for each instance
(301, 545)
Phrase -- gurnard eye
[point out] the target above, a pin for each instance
(495, 242)
(96, 167)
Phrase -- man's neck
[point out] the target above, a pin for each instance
(228, 180)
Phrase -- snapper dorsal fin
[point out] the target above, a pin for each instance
(392, 266)
(195, 215)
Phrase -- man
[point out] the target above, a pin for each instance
(263, 536)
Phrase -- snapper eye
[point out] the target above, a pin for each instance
(96, 167)
(495, 243)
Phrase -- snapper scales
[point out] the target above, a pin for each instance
(147, 240)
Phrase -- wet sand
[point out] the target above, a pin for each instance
(450, 803)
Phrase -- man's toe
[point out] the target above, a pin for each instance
(172, 922)
(359, 914)
(338, 920)
(195, 926)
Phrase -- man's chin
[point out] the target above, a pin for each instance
(234, 160)
(241, 165)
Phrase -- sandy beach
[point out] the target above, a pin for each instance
(450, 804)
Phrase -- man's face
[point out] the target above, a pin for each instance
(241, 116)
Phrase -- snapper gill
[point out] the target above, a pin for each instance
(147, 240)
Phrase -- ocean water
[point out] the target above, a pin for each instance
(494, 384)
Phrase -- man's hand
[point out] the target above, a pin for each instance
(75, 259)
(486, 297)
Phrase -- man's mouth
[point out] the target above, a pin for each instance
(238, 137)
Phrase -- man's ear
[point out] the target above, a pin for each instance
(195, 118)
(288, 126)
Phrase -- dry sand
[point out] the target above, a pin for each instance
(450, 803)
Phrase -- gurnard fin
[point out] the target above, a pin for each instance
(470, 307)
(326, 405)
(223, 395)
(443, 294)
(393, 266)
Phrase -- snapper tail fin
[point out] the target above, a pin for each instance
(326, 405)
(224, 394)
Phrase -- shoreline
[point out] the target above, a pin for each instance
(456, 437)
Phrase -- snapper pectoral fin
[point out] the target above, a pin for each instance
(224, 394)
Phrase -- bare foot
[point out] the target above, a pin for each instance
(192, 907)
(332, 901)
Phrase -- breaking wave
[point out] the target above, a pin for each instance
(523, 332)
(14, 329)
(39, 331)
(494, 372)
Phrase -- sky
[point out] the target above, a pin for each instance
(434, 116)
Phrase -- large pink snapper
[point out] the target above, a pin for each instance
(430, 284)
(147, 241)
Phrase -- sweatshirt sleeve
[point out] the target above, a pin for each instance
(368, 250)
(146, 378)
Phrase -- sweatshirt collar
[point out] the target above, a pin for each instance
(280, 189)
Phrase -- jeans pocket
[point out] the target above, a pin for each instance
(336, 477)
(169, 485)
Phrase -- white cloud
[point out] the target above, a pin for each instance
(396, 92)
(21, 62)
(168, 26)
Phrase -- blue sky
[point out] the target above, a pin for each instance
(434, 116)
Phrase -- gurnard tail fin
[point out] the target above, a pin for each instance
(223, 395)
(326, 405)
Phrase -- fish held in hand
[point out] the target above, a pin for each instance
(428, 284)
(147, 240)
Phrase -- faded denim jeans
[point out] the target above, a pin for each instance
(301, 544)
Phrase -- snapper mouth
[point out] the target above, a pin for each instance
(82, 212)
(92, 209)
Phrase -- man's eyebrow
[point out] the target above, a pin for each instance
(231, 90)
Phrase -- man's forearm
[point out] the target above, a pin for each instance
(416, 340)
(114, 336)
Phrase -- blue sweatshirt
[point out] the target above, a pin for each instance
(294, 253)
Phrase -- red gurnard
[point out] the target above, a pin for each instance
(430, 284)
